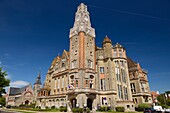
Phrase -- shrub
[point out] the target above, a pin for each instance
(141, 107)
(63, 109)
(21, 105)
(80, 110)
(46, 107)
(87, 110)
(52, 107)
(120, 109)
(74, 110)
(32, 105)
(165, 106)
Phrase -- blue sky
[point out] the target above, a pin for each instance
(33, 32)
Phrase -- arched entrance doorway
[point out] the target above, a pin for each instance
(26, 102)
(89, 103)
(73, 102)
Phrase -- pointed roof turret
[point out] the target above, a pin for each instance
(38, 81)
(107, 40)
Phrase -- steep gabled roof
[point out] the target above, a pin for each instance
(16, 91)
(131, 63)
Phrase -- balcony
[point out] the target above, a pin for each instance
(81, 90)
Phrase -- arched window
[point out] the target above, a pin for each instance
(63, 64)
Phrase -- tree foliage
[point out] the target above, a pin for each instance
(2, 101)
(161, 99)
(142, 106)
(4, 82)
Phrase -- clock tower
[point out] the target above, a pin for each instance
(82, 73)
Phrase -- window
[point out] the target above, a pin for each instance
(142, 87)
(90, 63)
(136, 100)
(120, 53)
(91, 84)
(125, 93)
(58, 83)
(133, 75)
(91, 53)
(133, 87)
(115, 53)
(62, 82)
(122, 63)
(102, 84)
(120, 93)
(116, 63)
(75, 52)
(145, 98)
(118, 74)
(63, 64)
(104, 101)
(101, 69)
(123, 75)
(55, 84)
(87, 83)
(73, 64)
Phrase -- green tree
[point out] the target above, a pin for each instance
(2, 101)
(168, 102)
(161, 99)
(4, 82)
(142, 106)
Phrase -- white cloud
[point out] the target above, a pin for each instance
(18, 83)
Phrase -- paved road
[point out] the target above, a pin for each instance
(7, 112)
(2, 111)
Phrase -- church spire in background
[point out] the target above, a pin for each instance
(38, 81)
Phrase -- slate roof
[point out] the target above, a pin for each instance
(16, 91)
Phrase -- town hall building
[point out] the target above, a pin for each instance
(92, 76)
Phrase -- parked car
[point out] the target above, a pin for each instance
(8, 106)
(167, 111)
(149, 110)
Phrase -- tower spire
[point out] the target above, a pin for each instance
(82, 22)
(38, 80)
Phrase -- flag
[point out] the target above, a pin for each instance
(71, 87)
